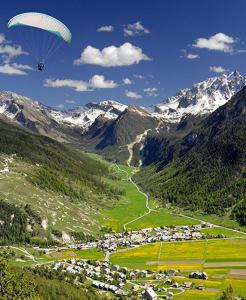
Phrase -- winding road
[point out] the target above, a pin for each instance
(149, 210)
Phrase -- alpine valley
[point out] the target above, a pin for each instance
(106, 194)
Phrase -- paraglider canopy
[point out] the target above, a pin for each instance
(42, 21)
(41, 34)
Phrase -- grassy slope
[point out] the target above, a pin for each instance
(60, 212)
(66, 187)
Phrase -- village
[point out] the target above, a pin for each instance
(111, 241)
(122, 281)
(144, 236)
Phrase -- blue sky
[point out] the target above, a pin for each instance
(173, 44)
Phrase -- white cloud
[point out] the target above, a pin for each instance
(112, 56)
(9, 50)
(217, 69)
(106, 28)
(152, 92)
(77, 85)
(22, 67)
(68, 101)
(192, 56)
(14, 69)
(217, 42)
(135, 29)
(134, 95)
(188, 55)
(127, 81)
(99, 82)
(96, 82)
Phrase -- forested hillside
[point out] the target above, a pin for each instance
(206, 169)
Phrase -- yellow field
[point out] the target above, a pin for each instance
(225, 256)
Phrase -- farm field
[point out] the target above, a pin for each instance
(222, 231)
(224, 261)
(39, 258)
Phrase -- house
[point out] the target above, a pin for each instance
(115, 267)
(168, 281)
(169, 295)
(172, 272)
(199, 275)
(200, 287)
(121, 293)
(187, 285)
(175, 285)
(204, 275)
(149, 294)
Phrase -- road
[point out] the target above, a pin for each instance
(26, 253)
(149, 210)
(215, 225)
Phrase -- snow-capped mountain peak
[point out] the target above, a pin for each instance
(202, 98)
(86, 115)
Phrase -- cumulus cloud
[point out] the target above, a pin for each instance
(217, 42)
(9, 50)
(135, 29)
(134, 95)
(112, 56)
(77, 85)
(22, 67)
(96, 82)
(127, 81)
(152, 92)
(14, 69)
(217, 69)
(106, 28)
(99, 82)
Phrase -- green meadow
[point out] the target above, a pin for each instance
(224, 260)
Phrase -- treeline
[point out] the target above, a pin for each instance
(18, 284)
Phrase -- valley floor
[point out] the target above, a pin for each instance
(223, 258)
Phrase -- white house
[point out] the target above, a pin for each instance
(149, 294)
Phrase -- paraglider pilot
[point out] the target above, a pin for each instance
(40, 66)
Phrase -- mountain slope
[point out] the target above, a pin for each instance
(85, 116)
(39, 171)
(111, 138)
(202, 98)
(206, 169)
(35, 117)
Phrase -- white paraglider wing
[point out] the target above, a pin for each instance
(42, 21)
